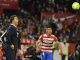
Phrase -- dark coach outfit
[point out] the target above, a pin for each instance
(11, 39)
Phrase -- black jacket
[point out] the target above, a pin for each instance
(11, 36)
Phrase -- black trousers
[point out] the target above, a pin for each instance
(10, 53)
(63, 57)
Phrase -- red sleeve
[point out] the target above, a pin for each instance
(55, 39)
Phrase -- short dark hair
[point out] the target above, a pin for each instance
(12, 18)
(48, 26)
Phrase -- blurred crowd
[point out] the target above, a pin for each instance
(65, 28)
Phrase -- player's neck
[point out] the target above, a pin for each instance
(48, 34)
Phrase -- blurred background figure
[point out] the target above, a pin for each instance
(57, 51)
(64, 47)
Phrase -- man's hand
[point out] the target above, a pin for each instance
(12, 46)
(20, 52)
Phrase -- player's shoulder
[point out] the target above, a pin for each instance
(53, 36)
(43, 35)
(11, 27)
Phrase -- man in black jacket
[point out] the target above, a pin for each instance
(11, 44)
